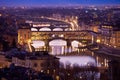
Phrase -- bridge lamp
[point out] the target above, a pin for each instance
(57, 77)
(29, 41)
(80, 43)
(53, 35)
(80, 77)
(98, 40)
(61, 35)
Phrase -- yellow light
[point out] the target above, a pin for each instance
(29, 41)
(48, 71)
(57, 78)
(98, 41)
(61, 35)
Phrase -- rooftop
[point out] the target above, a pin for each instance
(39, 55)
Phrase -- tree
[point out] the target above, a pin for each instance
(13, 44)
(5, 45)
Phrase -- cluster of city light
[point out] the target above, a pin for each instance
(109, 27)
(57, 45)
(73, 23)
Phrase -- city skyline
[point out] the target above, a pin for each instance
(59, 40)
(37, 3)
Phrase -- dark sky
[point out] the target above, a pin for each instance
(56, 2)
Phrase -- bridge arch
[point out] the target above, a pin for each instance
(34, 29)
(57, 46)
(37, 44)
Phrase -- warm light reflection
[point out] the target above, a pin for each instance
(57, 46)
(79, 60)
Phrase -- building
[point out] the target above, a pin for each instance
(24, 33)
(106, 32)
(4, 62)
(39, 61)
(115, 40)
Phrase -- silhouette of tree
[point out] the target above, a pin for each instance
(5, 45)
(13, 45)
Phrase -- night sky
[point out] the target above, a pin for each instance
(56, 2)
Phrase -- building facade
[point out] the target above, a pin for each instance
(39, 62)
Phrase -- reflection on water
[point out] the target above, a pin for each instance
(78, 60)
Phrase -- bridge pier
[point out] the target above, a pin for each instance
(70, 49)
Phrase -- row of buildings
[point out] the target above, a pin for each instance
(38, 61)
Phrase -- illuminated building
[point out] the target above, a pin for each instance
(109, 36)
(115, 40)
(23, 35)
(45, 39)
(106, 34)
(44, 36)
